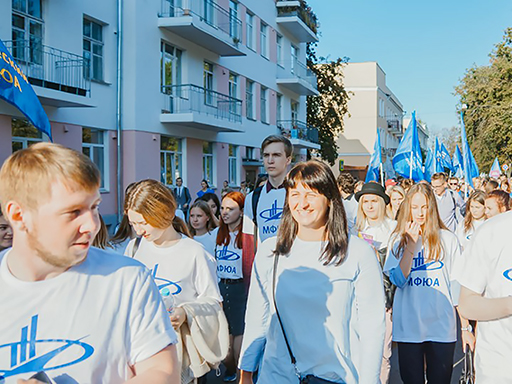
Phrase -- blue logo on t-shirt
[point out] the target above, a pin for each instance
(163, 283)
(273, 213)
(25, 357)
(507, 274)
(224, 254)
(418, 264)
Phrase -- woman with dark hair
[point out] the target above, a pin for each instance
(5, 232)
(474, 218)
(228, 252)
(124, 231)
(316, 290)
(421, 256)
(205, 188)
(214, 203)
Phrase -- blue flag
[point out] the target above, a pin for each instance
(468, 161)
(495, 169)
(457, 163)
(433, 162)
(16, 90)
(375, 161)
(446, 159)
(407, 160)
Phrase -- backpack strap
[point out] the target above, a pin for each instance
(135, 246)
(255, 199)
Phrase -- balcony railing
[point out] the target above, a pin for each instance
(207, 11)
(190, 98)
(297, 69)
(302, 11)
(51, 67)
(298, 130)
(395, 126)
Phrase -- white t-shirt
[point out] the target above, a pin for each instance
(486, 268)
(351, 207)
(378, 236)
(269, 210)
(184, 268)
(229, 259)
(208, 240)
(93, 321)
(463, 236)
(423, 309)
(320, 307)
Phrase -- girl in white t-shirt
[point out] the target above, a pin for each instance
(396, 197)
(228, 253)
(202, 225)
(375, 228)
(179, 264)
(474, 218)
(420, 264)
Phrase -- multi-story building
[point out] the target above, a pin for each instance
(372, 106)
(163, 88)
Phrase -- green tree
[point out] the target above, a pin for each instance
(487, 93)
(326, 111)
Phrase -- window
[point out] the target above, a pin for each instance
(170, 160)
(208, 162)
(263, 40)
(27, 31)
(279, 43)
(279, 107)
(170, 67)
(295, 111)
(93, 50)
(249, 30)
(295, 58)
(263, 105)
(249, 99)
(232, 165)
(208, 11)
(208, 83)
(93, 146)
(249, 153)
(233, 17)
(24, 134)
(233, 91)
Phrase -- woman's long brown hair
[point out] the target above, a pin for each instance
(223, 236)
(479, 197)
(156, 203)
(203, 206)
(317, 176)
(430, 231)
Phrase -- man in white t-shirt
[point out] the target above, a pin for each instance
(76, 313)
(346, 183)
(268, 200)
(449, 203)
(485, 274)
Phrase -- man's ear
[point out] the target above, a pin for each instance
(15, 215)
(288, 160)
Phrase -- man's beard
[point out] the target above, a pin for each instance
(46, 255)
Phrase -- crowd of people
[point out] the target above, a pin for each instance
(308, 278)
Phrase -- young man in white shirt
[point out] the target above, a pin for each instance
(450, 204)
(485, 274)
(77, 313)
(269, 200)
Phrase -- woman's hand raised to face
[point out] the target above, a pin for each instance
(413, 231)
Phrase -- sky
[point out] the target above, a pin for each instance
(424, 47)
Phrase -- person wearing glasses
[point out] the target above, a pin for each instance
(450, 204)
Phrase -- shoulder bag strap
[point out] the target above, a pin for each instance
(135, 246)
(292, 358)
(255, 199)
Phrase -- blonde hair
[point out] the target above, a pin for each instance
(430, 231)
(27, 175)
(156, 203)
(361, 216)
(397, 189)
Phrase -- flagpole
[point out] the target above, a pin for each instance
(381, 175)
(410, 166)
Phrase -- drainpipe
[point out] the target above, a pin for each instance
(120, 189)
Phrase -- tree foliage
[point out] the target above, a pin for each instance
(326, 111)
(487, 93)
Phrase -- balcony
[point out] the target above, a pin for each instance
(394, 126)
(301, 135)
(193, 106)
(204, 23)
(297, 77)
(298, 19)
(56, 76)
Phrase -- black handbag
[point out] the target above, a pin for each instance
(308, 379)
(468, 373)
